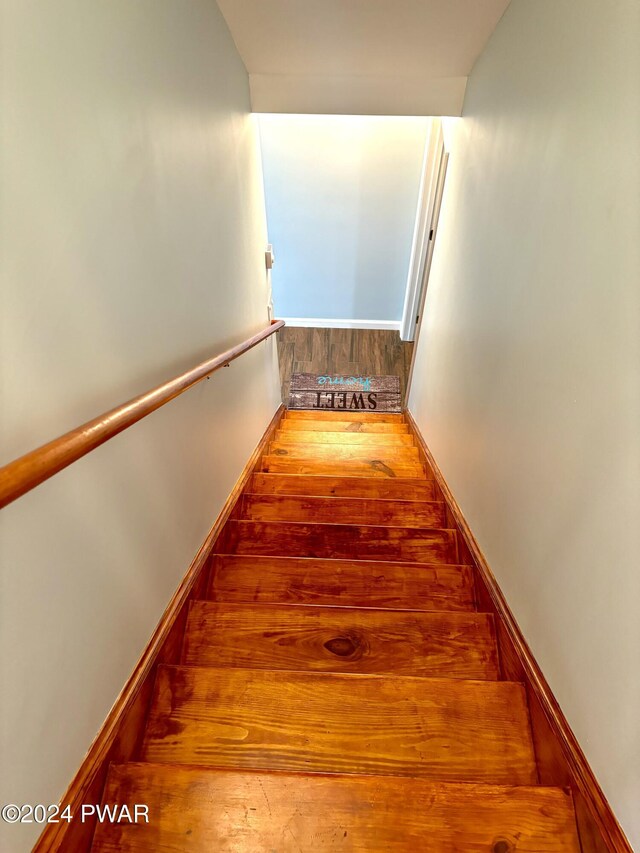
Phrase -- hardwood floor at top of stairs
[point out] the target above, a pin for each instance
(338, 689)
(360, 352)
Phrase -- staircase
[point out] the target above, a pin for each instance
(338, 690)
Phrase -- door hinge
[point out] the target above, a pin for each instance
(431, 234)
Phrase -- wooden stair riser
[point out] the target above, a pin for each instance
(344, 487)
(473, 731)
(339, 541)
(350, 427)
(216, 811)
(324, 639)
(345, 439)
(345, 468)
(345, 583)
(357, 417)
(341, 511)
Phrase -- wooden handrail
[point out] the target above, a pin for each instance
(27, 472)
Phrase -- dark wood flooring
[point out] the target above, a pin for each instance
(362, 352)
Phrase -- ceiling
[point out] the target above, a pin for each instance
(295, 49)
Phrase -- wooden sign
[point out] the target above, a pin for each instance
(345, 393)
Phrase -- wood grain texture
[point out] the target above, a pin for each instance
(344, 392)
(299, 438)
(342, 351)
(403, 489)
(561, 760)
(337, 452)
(339, 381)
(357, 417)
(345, 401)
(346, 583)
(338, 541)
(340, 639)
(121, 734)
(196, 810)
(343, 468)
(349, 427)
(27, 472)
(331, 510)
(441, 729)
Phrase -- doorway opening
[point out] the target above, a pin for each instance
(341, 196)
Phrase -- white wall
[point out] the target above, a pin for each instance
(133, 235)
(527, 384)
(341, 195)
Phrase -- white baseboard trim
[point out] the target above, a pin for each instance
(317, 323)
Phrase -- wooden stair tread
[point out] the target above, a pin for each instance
(476, 731)
(354, 583)
(406, 455)
(198, 810)
(329, 639)
(339, 541)
(364, 417)
(347, 467)
(353, 427)
(357, 439)
(342, 468)
(341, 510)
(345, 487)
